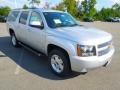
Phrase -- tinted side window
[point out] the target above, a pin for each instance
(23, 17)
(13, 16)
(35, 17)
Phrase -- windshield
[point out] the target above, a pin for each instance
(59, 19)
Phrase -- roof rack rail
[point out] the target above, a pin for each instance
(27, 8)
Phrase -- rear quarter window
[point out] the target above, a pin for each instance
(13, 16)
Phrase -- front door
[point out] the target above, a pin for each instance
(36, 33)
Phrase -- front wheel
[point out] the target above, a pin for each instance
(59, 63)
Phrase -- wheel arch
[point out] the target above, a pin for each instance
(51, 47)
(11, 31)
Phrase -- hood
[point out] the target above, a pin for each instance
(83, 34)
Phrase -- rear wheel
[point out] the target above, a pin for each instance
(59, 63)
(14, 40)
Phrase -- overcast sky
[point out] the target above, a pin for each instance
(20, 3)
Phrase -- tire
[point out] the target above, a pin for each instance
(14, 40)
(57, 58)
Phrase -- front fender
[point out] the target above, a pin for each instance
(67, 45)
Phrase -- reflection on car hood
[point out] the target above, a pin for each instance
(82, 34)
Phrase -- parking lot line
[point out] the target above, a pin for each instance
(17, 70)
(2, 54)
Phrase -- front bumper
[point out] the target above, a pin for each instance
(84, 64)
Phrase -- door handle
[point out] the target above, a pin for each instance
(28, 29)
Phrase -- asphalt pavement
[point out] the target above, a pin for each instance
(20, 69)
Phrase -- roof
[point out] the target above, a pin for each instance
(39, 9)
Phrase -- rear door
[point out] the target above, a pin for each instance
(22, 26)
(12, 21)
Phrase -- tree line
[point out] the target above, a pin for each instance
(87, 9)
(79, 10)
(4, 10)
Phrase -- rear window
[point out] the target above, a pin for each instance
(23, 17)
(13, 16)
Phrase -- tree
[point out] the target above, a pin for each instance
(4, 11)
(25, 6)
(116, 6)
(34, 2)
(116, 9)
(60, 6)
(71, 6)
(88, 8)
(108, 12)
(47, 5)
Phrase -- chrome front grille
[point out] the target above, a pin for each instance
(104, 48)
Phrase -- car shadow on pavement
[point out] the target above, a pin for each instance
(29, 61)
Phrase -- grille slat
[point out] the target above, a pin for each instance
(104, 44)
(104, 51)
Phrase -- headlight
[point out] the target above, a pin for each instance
(85, 50)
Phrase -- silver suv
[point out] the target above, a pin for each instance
(56, 34)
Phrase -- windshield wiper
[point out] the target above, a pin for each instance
(66, 25)
(73, 25)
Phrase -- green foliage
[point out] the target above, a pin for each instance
(71, 6)
(116, 9)
(60, 7)
(25, 6)
(88, 8)
(4, 11)
(108, 12)
(116, 6)
(105, 13)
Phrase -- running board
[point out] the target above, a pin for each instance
(30, 49)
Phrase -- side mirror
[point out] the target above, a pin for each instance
(37, 24)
